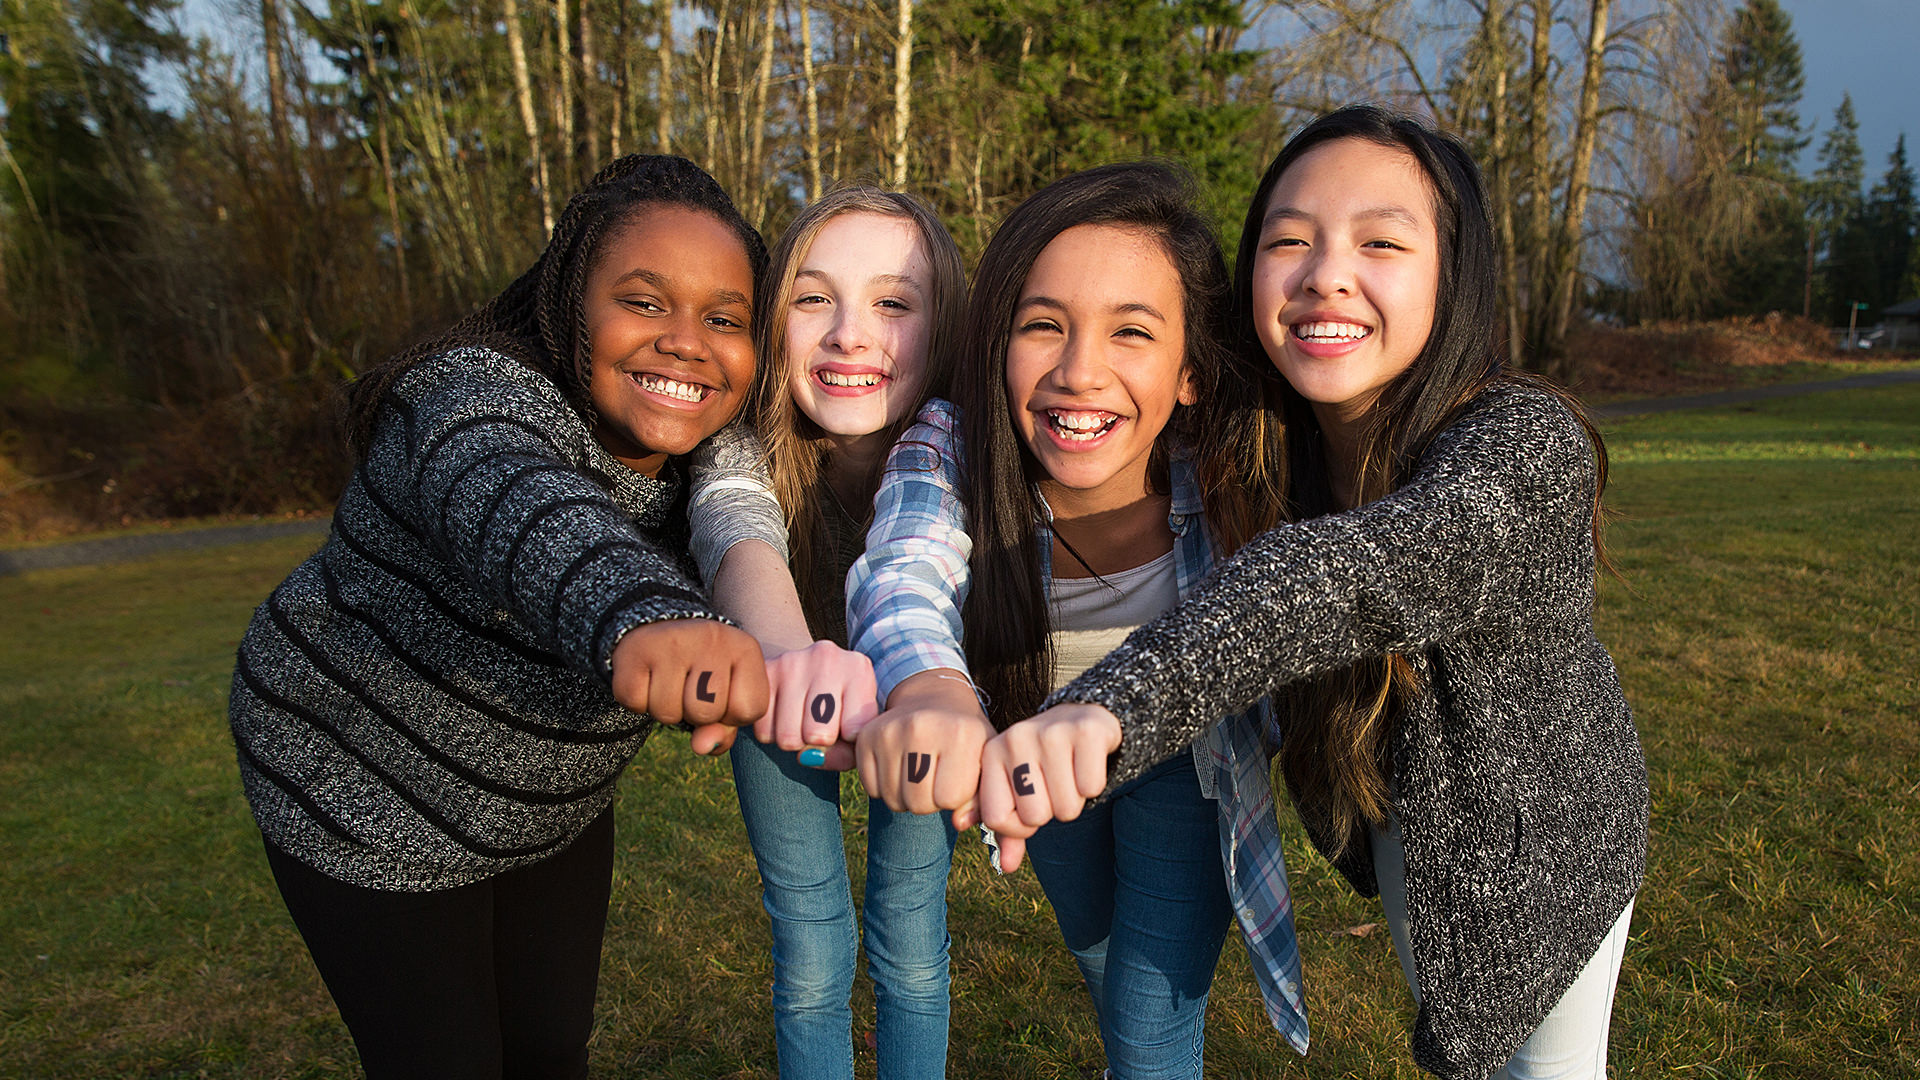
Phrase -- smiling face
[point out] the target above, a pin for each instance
(666, 308)
(1097, 362)
(1346, 274)
(858, 324)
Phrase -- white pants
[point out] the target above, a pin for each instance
(1571, 1043)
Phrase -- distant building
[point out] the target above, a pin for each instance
(1903, 324)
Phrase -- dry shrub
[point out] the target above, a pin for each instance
(1669, 357)
(67, 468)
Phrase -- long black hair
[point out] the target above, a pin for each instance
(540, 319)
(1340, 724)
(1006, 625)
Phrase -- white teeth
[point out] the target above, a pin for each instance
(660, 384)
(1081, 425)
(1331, 331)
(835, 378)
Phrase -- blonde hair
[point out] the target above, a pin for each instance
(796, 447)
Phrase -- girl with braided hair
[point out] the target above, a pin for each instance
(432, 711)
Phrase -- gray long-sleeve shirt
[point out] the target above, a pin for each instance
(425, 702)
(1516, 774)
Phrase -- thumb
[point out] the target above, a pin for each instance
(713, 740)
(1012, 850)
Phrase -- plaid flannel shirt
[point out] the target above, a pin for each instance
(903, 610)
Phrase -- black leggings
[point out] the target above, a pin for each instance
(490, 980)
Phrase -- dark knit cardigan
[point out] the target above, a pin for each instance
(425, 702)
(1516, 774)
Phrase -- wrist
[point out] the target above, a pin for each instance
(944, 689)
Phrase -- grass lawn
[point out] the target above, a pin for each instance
(1767, 629)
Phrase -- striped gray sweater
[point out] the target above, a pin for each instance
(1517, 775)
(425, 702)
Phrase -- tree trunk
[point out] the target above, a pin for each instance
(563, 94)
(1566, 252)
(393, 215)
(1500, 173)
(756, 160)
(814, 188)
(1531, 261)
(523, 92)
(663, 134)
(623, 79)
(902, 89)
(589, 92)
(713, 85)
(272, 35)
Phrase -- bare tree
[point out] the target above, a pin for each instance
(523, 94)
(902, 90)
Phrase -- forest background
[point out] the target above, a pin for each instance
(185, 277)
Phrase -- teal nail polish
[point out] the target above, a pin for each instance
(814, 756)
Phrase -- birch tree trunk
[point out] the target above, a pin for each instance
(902, 88)
(1500, 172)
(523, 93)
(563, 93)
(272, 34)
(1566, 251)
(756, 159)
(589, 92)
(623, 78)
(1530, 262)
(713, 85)
(814, 188)
(663, 133)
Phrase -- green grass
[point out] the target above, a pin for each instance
(1767, 629)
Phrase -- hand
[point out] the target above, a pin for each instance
(1044, 769)
(700, 673)
(923, 754)
(822, 694)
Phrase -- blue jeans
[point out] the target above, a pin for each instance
(792, 815)
(1141, 899)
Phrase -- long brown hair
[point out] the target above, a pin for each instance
(796, 448)
(1340, 726)
(1007, 629)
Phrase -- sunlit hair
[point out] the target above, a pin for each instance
(796, 447)
(1008, 641)
(1340, 725)
(540, 319)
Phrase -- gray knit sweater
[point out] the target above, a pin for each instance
(1517, 775)
(425, 702)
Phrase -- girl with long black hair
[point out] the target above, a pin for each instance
(1078, 485)
(1455, 736)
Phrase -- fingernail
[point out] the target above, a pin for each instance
(813, 755)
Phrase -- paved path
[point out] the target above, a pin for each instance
(127, 548)
(114, 549)
(1752, 393)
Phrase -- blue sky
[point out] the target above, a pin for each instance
(1871, 49)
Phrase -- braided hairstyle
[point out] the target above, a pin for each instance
(540, 319)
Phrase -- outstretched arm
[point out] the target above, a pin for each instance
(903, 609)
(820, 693)
(1494, 529)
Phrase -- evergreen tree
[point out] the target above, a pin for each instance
(1892, 219)
(80, 132)
(1834, 195)
(1761, 63)
(1833, 206)
(1758, 105)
